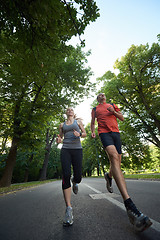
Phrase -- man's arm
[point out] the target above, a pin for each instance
(93, 123)
(118, 114)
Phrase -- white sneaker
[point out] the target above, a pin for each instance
(68, 218)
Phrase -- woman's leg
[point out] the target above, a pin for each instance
(77, 156)
(67, 196)
(66, 171)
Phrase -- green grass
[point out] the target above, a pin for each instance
(138, 176)
(22, 186)
(143, 176)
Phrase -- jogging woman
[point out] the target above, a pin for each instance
(71, 154)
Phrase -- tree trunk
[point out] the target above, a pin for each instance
(43, 172)
(45, 165)
(10, 163)
(26, 175)
(98, 170)
(103, 169)
(27, 169)
(11, 159)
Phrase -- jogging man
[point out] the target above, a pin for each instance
(106, 115)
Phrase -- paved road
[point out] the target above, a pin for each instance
(37, 213)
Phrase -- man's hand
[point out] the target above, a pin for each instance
(111, 109)
(93, 135)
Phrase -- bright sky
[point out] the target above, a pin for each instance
(121, 24)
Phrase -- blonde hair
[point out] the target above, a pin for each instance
(75, 116)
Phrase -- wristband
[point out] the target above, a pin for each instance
(80, 134)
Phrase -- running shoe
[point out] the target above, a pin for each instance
(74, 186)
(108, 183)
(138, 219)
(68, 219)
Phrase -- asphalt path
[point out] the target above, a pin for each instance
(37, 213)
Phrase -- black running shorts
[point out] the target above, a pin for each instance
(111, 138)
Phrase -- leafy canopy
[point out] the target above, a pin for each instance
(136, 88)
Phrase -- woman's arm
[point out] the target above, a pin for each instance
(83, 131)
(60, 135)
(93, 116)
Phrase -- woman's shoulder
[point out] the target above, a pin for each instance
(61, 125)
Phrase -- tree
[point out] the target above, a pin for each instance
(135, 153)
(136, 88)
(35, 64)
(94, 156)
(49, 141)
(47, 21)
(54, 169)
(155, 158)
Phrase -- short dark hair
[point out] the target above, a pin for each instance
(98, 96)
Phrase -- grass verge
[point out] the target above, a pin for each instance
(150, 176)
(143, 176)
(21, 186)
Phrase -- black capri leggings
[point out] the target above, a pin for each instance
(68, 157)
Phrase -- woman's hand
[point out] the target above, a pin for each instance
(58, 139)
(77, 134)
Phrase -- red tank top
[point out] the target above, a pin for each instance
(107, 122)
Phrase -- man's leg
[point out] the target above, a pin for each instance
(108, 177)
(115, 169)
(138, 219)
(110, 171)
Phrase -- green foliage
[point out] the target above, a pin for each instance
(54, 169)
(41, 74)
(155, 157)
(33, 167)
(94, 156)
(49, 21)
(135, 152)
(25, 164)
(2, 163)
(136, 88)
